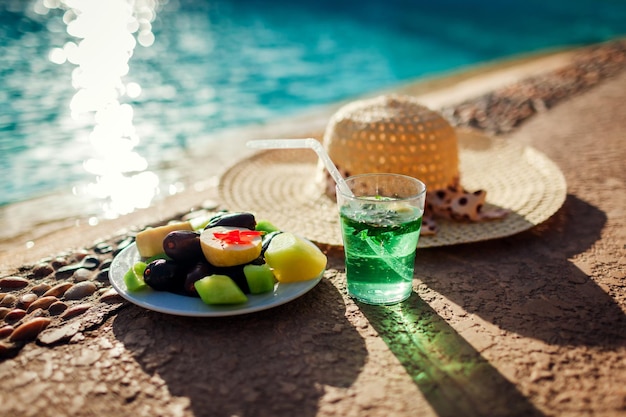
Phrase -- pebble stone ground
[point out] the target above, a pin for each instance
(529, 325)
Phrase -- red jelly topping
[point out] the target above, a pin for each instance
(237, 237)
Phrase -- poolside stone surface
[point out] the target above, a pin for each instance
(533, 324)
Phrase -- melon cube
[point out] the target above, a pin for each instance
(133, 278)
(150, 241)
(219, 289)
(260, 278)
(294, 259)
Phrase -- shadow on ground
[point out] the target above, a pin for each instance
(528, 284)
(274, 362)
(454, 378)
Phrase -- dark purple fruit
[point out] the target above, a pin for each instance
(197, 272)
(237, 219)
(164, 275)
(183, 245)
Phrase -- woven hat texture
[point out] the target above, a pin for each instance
(280, 186)
(393, 133)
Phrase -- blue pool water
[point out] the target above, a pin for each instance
(114, 90)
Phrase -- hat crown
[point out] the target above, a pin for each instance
(395, 134)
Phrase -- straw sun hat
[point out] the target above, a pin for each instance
(291, 188)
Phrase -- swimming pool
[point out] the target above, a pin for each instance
(96, 95)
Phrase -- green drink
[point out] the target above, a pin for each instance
(380, 235)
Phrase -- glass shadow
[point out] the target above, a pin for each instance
(454, 378)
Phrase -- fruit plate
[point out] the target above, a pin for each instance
(169, 303)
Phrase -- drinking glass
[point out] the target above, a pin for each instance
(380, 225)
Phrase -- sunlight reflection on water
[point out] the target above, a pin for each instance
(107, 33)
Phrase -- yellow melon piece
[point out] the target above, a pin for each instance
(294, 259)
(150, 241)
(228, 252)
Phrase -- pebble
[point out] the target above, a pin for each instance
(30, 329)
(58, 290)
(26, 300)
(58, 262)
(8, 300)
(82, 274)
(3, 312)
(111, 296)
(32, 314)
(14, 315)
(74, 311)
(88, 262)
(57, 308)
(42, 270)
(103, 248)
(41, 288)
(43, 303)
(80, 291)
(6, 331)
(103, 276)
(13, 282)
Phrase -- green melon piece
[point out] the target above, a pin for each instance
(219, 289)
(265, 226)
(294, 259)
(133, 279)
(259, 277)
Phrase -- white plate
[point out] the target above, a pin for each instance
(166, 302)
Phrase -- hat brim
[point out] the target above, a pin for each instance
(279, 186)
